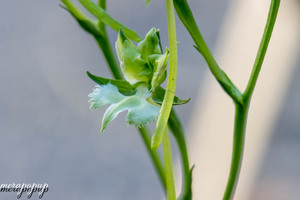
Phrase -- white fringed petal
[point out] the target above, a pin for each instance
(140, 111)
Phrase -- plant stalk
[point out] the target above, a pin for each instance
(237, 152)
(167, 103)
(105, 47)
(241, 111)
(171, 193)
(186, 16)
(178, 133)
(156, 161)
(273, 11)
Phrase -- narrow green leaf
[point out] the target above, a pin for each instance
(123, 86)
(188, 194)
(158, 97)
(104, 17)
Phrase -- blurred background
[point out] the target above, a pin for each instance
(49, 134)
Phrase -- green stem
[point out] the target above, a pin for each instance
(101, 25)
(104, 45)
(262, 48)
(178, 132)
(171, 193)
(108, 54)
(241, 111)
(237, 152)
(75, 10)
(172, 77)
(185, 14)
(154, 156)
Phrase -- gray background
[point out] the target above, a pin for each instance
(48, 133)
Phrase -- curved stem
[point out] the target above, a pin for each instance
(108, 54)
(104, 45)
(172, 77)
(171, 193)
(241, 111)
(154, 156)
(262, 48)
(178, 132)
(185, 15)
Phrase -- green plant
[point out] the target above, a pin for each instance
(144, 69)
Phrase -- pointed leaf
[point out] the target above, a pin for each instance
(159, 93)
(123, 86)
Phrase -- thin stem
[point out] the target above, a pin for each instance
(156, 160)
(237, 152)
(104, 45)
(101, 25)
(262, 48)
(178, 132)
(75, 10)
(172, 77)
(171, 193)
(108, 54)
(241, 110)
(185, 14)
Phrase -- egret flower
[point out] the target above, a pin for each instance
(144, 69)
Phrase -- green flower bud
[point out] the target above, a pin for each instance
(150, 45)
(134, 68)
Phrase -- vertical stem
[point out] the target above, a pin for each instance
(104, 45)
(154, 156)
(172, 77)
(171, 193)
(108, 54)
(273, 11)
(237, 152)
(177, 130)
(241, 110)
